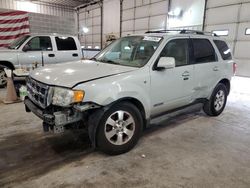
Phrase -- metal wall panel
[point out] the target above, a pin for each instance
(127, 4)
(218, 3)
(157, 22)
(128, 25)
(41, 23)
(90, 18)
(234, 16)
(242, 50)
(142, 11)
(38, 8)
(128, 14)
(243, 67)
(242, 30)
(159, 8)
(222, 15)
(245, 13)
(141, 24)
(138, 3)
(143, 15)
(230, 27)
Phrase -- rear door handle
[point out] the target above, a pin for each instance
(75, 55)
(216, 68)
(51, 55)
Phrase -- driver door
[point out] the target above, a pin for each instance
(173, 88)
(37, 51)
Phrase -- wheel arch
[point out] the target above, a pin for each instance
(93, 121)
(7, 64)
(226, 82)
(138, 104)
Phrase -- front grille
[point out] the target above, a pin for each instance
(37, 92)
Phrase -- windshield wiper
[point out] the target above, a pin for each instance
(93, 58)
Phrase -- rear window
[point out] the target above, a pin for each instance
(203, 51)
(65, 43)
(225, 52)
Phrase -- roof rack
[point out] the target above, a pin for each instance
(184, 31)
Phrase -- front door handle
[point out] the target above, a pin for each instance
(51, 55)
(75, 55)
(186, 74)
(216, 68)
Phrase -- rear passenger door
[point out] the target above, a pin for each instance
(66, 49)
(206, 66)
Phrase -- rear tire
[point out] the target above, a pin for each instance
(3, 77)
(217, 102)
(119, 129)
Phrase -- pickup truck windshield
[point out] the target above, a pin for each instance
(134, 51)
(18, 42)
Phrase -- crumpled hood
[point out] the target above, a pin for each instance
(71, 73)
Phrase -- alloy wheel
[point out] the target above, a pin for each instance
(3, 78)
(119, 127)
(219, 100)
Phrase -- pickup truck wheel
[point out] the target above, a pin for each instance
(217, 102)
(119, 129)
(3, 77)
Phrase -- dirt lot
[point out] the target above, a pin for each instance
(191, 150)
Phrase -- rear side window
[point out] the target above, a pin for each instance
(225, 52)
(203, 51)
(65, 43)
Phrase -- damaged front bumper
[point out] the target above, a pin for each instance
(55, 118)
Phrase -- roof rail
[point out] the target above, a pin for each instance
(164, 31)
(184, 31)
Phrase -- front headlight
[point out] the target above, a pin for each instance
(65, 97)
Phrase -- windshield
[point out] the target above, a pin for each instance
(18, 42)
(134, 51)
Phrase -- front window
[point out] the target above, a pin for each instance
(134, 51)
(18, 42)
(179, 50)
(41, 43)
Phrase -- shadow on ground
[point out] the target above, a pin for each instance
(28, 155)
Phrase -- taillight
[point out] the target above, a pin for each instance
(234, 68)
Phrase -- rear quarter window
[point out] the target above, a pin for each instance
(65, 43)
(224, 50)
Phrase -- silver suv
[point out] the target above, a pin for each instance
(132, 81)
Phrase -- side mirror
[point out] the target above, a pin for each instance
(165, 63)
(26, 48)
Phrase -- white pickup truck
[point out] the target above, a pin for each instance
(38, 49)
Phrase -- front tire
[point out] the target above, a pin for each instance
(217, 102)
(119, 129)
(3, 77)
